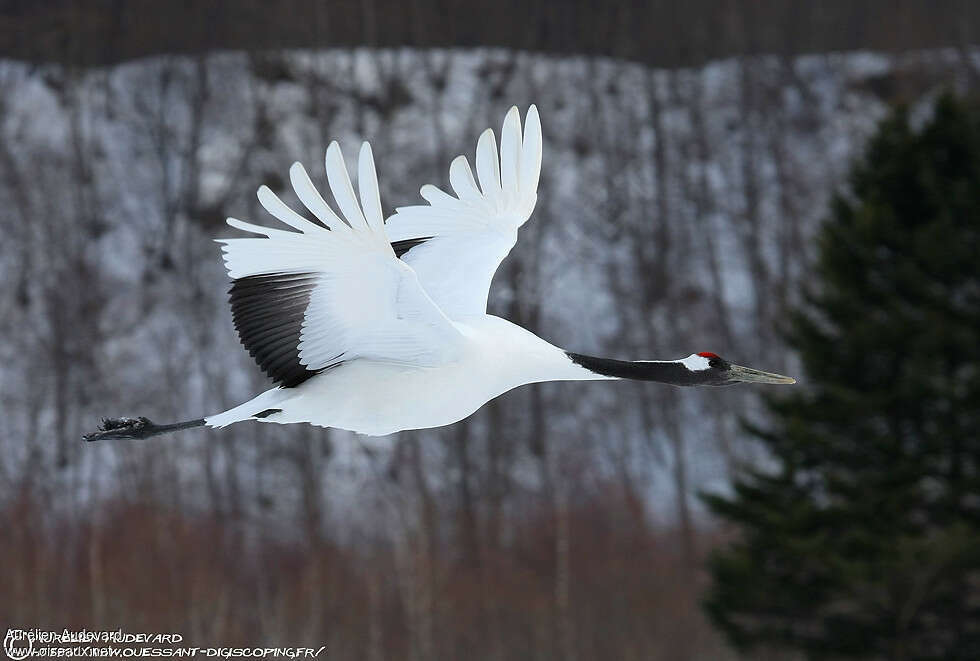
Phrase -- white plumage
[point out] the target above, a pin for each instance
(473, 232)
(377, 326)
(366, 303)
(401, 343)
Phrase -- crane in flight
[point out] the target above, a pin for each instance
(381, 326)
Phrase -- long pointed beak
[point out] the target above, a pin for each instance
(749, 375)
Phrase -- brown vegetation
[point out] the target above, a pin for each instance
(155, 568)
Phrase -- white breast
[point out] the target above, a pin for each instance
(378, 398)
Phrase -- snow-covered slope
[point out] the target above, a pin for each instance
(674, 215)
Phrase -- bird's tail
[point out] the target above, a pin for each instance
(252, 409)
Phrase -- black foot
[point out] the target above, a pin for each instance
(133, 428)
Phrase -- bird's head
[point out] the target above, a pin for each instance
(711, 369)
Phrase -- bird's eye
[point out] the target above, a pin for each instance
(714, 362)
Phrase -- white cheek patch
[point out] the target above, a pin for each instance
(695, 363)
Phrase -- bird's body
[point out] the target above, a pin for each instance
(375, 397)
(378, 326)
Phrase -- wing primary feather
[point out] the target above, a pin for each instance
(531, 155)
(367, 185)
(340, 186)
(510, 153)
(278, 208)
(312, 200)
(437, 197)
(462, 181)
(488, 166)
(254, 229)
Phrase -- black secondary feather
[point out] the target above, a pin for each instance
(403, 246)
(268, 311)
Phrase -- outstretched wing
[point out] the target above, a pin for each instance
(455, 244)
(306, 300)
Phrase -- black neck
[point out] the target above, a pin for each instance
(670, 372)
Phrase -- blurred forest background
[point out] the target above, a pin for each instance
(691, 152)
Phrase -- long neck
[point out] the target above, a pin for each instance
(664, 371)
(532, 359)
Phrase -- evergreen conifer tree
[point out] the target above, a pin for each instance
(862, 538)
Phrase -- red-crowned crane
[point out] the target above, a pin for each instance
(378, 326)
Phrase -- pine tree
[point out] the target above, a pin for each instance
(862, 537)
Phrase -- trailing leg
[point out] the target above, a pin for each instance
(136, 428)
